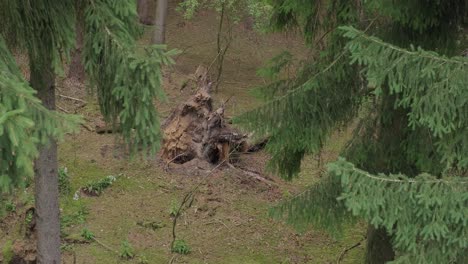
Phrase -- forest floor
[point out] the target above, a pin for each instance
(228, 221)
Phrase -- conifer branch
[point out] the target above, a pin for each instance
(426, 221)
(431, 87)
(353, 33)
(127, 82)
(314, 77)
(394, 178)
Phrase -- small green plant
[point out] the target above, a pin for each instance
(10, 207)
(95, 188)
(78, 217)
(173, 210)
(143, 260)
(26, 198)
(66, 247)
(87, 234)
(286, 194)
(75, 218)
(7, 252)
(29, 217)
(151, 224)
(180, 247)
(126, 250)
(64, 181)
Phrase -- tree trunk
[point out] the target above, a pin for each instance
(160, 30)
(76, 69)
(379, 246)
(146, 11)
(46, 177)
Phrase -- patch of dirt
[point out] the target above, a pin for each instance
(22, 249)
(24, 252)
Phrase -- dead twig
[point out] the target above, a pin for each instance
(166, 167)
(106, 246)
(218, 221)
(254, 175)
(82, 124)
(172, 259)
(87, 127)
(227, 100)
(189, 197)
(72, 98)
(346, 250)
(213, 61)
(187, 201)
(63, 109)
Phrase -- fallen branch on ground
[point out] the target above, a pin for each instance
(349, 249)
(254, 175)
(106, 246)
(87, 127)
(166, 168)
(72, 98)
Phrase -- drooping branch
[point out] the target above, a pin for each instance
(127, 81)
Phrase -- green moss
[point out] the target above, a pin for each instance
(101, 255)
(7, 251)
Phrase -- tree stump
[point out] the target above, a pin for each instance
(194, 130)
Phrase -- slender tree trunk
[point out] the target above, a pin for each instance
(46, 178)
(379, 246)
(160, 30)
(142, 6)
(146, 11)
(220, 28)
(222, 51)
(76, 69)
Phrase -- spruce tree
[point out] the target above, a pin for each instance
(405, 171)
(126, 80)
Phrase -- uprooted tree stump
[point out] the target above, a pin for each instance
(194, 130)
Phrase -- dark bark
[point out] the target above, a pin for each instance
(146, 11)
(76, 69)
(379, 246)
(46, 177)
(222, 50)
(161, 17)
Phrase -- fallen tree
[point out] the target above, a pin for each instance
(195, 130)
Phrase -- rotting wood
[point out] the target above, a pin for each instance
(195, 130)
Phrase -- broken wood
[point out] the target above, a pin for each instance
(197, 79)
(254, 175)
(346, 250)
(90, 129)
(72, 98)
(195, 130)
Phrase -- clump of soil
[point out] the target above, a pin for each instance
(24, 252)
